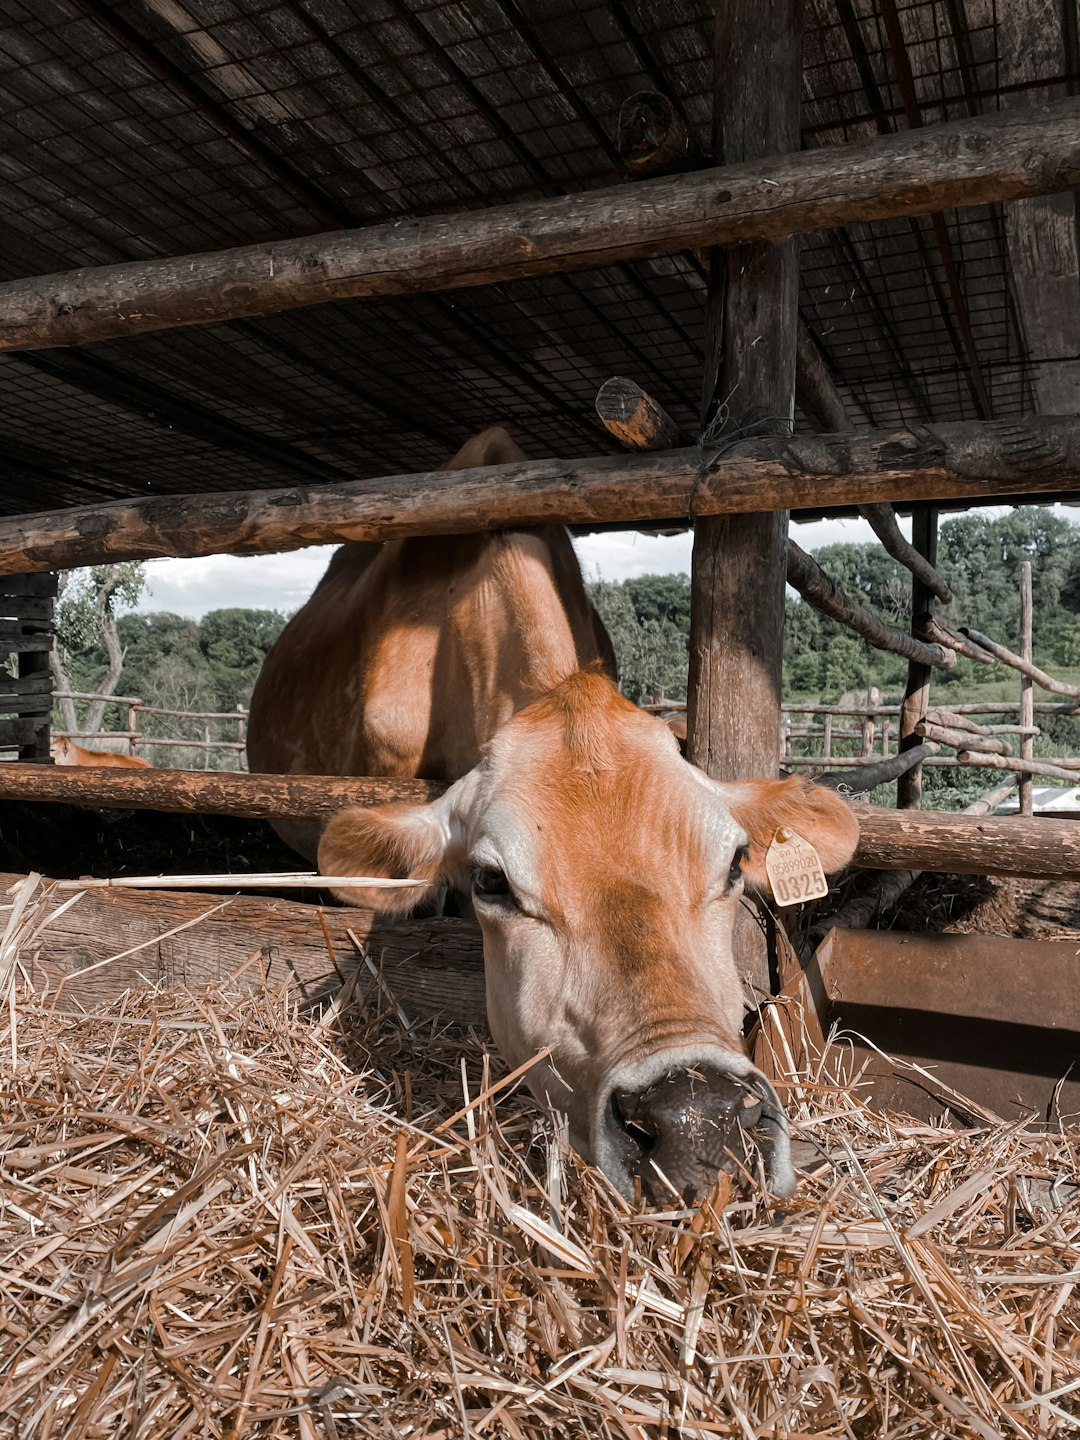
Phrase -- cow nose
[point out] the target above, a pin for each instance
(679, 1132)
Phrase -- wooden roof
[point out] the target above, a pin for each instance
(159, 127)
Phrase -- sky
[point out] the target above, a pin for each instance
(284, 582)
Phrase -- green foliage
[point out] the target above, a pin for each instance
(174, 663)
(234, 644)
(85, 593)
(651, 648)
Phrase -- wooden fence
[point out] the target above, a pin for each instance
(134, 738)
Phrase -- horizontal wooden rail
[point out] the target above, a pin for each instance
(940, 462)
(890, 839)
(974, 161)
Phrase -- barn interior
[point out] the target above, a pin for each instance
(248, 1088)
(151, 128)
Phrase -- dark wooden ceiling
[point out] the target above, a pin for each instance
(153, 127)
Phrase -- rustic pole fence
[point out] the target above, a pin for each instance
(134, 738)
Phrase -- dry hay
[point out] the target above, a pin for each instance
(222, 1217)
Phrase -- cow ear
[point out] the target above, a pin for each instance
(815, 813)
(426, 843)
(392, 842)
(494, 446)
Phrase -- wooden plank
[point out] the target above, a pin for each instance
(38, 683)
(995, 1019)
(890, 839)
(430, 967)
(967, 460)
(259, 797)
(14, 639)
(18, 607)
(22, 731)
(28, 586)
(971, 161)
(40, 704)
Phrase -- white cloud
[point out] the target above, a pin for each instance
(284, 582)
(216, 582)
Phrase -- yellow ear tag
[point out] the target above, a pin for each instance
(794, 869)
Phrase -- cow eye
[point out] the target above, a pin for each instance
(735, 874)
(490, 883)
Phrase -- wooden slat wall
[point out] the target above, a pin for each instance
(26, 631)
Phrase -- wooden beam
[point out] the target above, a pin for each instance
(812, 583)
(640, 423)
(1039, 848)
(206, 792)
(968, 460)
(890, 839)
(868, 776)
(961, 739)
(928, 629)
(632, 415)
(917, 689)
(972, 161)
(817, 396)
(1027, 694)
(429, 967)
(1067, 770)
(739, 563)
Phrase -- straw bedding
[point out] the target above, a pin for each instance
(220, 1216)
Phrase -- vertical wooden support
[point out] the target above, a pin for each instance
(1027, 689)
(26, 637)
(739, 562)
(917, 691)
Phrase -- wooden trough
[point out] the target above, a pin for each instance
(967, 1025)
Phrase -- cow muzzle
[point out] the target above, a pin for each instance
(678, 1131)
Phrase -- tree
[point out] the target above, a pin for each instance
(85, 618)
(235, 643)
(652, 655)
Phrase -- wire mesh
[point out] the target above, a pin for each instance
(148, 127)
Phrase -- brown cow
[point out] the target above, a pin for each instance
(604, 870)
(64, 751)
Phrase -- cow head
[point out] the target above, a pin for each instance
(61, 750)
(606, 873)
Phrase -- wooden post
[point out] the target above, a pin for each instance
(885, 737)
(1027, 695)
(868, 735)
(132, 725)
(827, 747)
(917, 690)
(739, 563)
